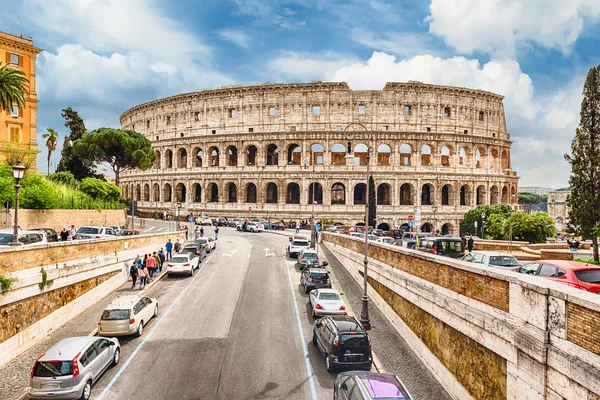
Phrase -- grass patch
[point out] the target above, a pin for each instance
(591, 261)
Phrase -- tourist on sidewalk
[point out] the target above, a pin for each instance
(73, 232)
(143, 273)
(169, 248)
(64, 235)
(201, 231)
(150, 264)
(186, 233)
(133, 271)
(470, 243)
(177, 246)
(216, 233)
(196, 233)
(161, 255)
(156, 262)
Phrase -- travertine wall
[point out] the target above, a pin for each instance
(500, 336)
(59, 219)
(258, 150)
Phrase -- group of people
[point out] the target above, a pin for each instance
(146, 267)
(467, 242)
(66, 234)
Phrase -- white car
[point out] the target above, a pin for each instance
(95, 232)
(356, 234)
(127, 315)
(203, 221)
(183, 263)
(209, 243)
(326, 302)
(386, 240)
(24, 237)
(297, 245)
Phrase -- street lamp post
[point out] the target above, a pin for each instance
(18, 172)
(434, 209)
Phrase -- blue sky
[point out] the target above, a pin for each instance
(102, 57)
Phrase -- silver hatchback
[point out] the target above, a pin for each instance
(70, 368)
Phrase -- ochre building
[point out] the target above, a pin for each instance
(18, 129)
(281, 151)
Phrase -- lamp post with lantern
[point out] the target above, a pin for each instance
(18, 172)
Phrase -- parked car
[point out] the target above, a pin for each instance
(250, 226)
(128, 232)
(369, 386)
(277, 225)
(315, 278)
(571, 273)
(233, 222)
(326, 302)
(51, 235)
(386, 240)
(296, 245)
(332, 229)
(95, 232)
(183, 263)
(203, 221)
(442, 246)
(357, 235)
(209, 243)
(24, 237)
(409, 239)
(221, 221)
(118, 228)
(68, 369)
(493, 259)
(343, 342)
(127, 315)
(196, 248)
(308, 258)
(376, 232)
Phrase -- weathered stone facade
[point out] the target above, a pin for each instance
(558, 208)
(262, 150)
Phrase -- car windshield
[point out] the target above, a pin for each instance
(329, 296)
(179, 260)
(588, 275)
(201, 241)
(451, 246)
(310, 256)
(115, 315)
(300, 243)
(384, 387)
(354, 340)
(5, 238)
(319, 275)
(504, 261)
(53, 368)
(88, 230)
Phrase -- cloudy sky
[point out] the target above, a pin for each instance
(102, 57)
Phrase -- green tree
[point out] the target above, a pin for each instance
(51, 138)
(528, 200)
(38, 193)
(532, 228)
(494, 225)
(121, 149)
(99, 189)
(467, 224)
(584, 200)
(65, 178)
(70, 161)
(372, 203)
(13, 86)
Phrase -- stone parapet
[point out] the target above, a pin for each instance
(59, 219)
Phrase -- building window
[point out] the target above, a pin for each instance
(407, 110)
(148, 124)
(232, 113)
(168, 120)
(197, 116)
(214, 131)
(362, 109)
(272, 111)
(15, 59)
(316, 110)
(15, 111)
(481, 115)
(250, 130)
(446, 112)
(338, 127)
(428, 129)
(15, 134)
(293, 128)
(385, 128)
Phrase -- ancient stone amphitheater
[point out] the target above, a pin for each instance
(281, 151)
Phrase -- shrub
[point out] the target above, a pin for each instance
(65, 178)
(100, 189)
(39, 194)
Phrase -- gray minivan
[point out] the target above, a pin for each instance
(70, 368)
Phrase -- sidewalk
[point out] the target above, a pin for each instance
(14, 376)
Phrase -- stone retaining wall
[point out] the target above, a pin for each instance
(59, 219)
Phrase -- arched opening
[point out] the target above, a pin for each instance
(384, 154)
(447, 195)
(294, 154)
(360, 194)
(447, 229)
(338, 193)
(251, 193)
(405, 227)
(426, 227)
(198, 159)
(493, 159)
(462, 157)
(293, 194)
(251, 155)
(125, 191)
(478, 160)
(425, 155)
(445, 153)
(272, 155)
(360, 154)
(338, 154)
(214, 156)
(231, 193)
(494, 194)
(169, 159)
(426, 194)
(505, 194)
(146, 192)
(405, 155)
(465, 195)
(318, 193)
(384, 195)
(480, 195)
(232, 156)
(384, 226)
(271, 193)
(157, 162)
(213, 188)
(138, 192)
(182, 158)
(167, 191)
(505, 161)
(513, 195)
(197, 190)
(317, 153)
(180, 192)
(156, 192)
(406, 198)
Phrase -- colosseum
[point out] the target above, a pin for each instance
(284, 151)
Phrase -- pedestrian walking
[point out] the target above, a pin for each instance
(216, 233)
(177, 246)
(202, 232)
(297, 227)
(138, 261)
(470, 243)
(150, 264)
(169, 248)
(73, 232)
(196, 233)
(161, 255)
(133, 271)
(186, 233)
(156, 262)
(143, 274)
(64, 235)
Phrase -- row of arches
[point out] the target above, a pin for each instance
(448, 156)
(338, 194)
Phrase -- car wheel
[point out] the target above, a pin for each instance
(116, 357)
(315, 316)
(155, 311)
(306, 289)
(192, 272)
(140, 329)
(87, 391)
(328, 364)
(168, 275)
(238, 228)
(314, 338)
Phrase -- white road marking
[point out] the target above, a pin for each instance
(150, 229)
(268, 252)
(230, 254)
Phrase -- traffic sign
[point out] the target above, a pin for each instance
(317, 227)
(190, 219)
(410, 218)
(411, 223)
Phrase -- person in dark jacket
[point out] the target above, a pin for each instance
(133, 271)
(470, 243)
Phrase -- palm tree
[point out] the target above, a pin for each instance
(51, 139)
(13, 86)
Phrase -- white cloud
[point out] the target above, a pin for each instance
(236, 37)
(404, 44)
(502, 26)
(305, 67)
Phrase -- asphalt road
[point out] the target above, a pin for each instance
(239, 329)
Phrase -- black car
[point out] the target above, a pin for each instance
(51, 234)
(222, 221)
(278, 225)
(315, 278)
(344, 343)
(199, 249)
(443, 246)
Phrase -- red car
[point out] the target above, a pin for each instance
(572, 273)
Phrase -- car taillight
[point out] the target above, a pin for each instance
(343, 308)
(434, 249)
(34, 365)
(369, 338)
(197, 253)
(335, 342)
(97, 237)
(318, 307)
(309, 279)
(131, 318)
(99, 319)
(186, 264)
(169, 265)
(76, 365)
